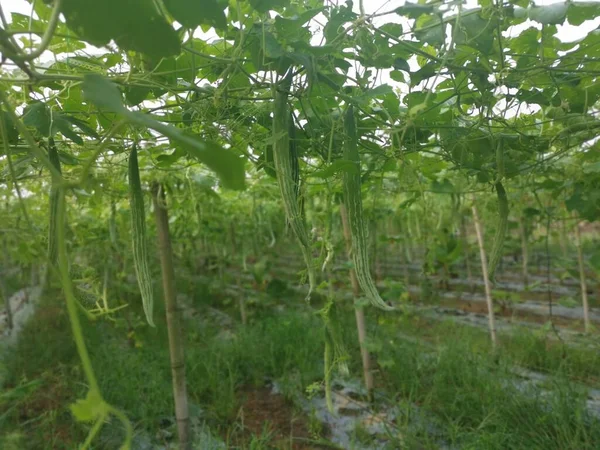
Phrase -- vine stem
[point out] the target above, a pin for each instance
(63, 267)
(94, 431)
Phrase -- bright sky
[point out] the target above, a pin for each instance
(566, 33)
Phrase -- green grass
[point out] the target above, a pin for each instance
(458, 385)
(526, 348)
(137, 379)
(469, 391)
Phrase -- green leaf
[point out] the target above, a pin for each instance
(401, 64)
(430, 29)
(266, 162)
(38, 116)
(445, 187)
(554, 14)
(90, 408)
(414, 10)
(82, 125)
(396, 75)
(579, 12)
(136, 94)
(374, 345)
(166, 160)
(292, 26)
(592, 168)
(337, 166)
(48, 122)
(531, 212)
(594, 261)
(60, 124)
(378, 91)
(11, 130)
(228, 166)
(267, 5)
(103, 93)
(476, 32)
(133, 24)
(568, 302)
(193, 13)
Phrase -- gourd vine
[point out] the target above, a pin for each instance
(93, 408)
(353, 201)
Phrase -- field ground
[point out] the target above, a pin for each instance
(438, 382)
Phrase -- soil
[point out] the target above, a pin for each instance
(262, 410)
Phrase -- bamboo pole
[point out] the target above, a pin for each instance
(486, 279)
(582, 280)
(524, 252)
(234, 251)
(173, 318)
(465, 240)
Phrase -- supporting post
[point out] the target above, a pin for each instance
(524, 252)
(173, 318)
(486, 279)
(582, 280)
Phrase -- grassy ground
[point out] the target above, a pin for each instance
(42, 374)
(469, 390)
(462, 391)
(530, 349)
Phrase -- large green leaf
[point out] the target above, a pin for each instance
(579, 12)
(37, 115)
(133, 24)
(414, 10)
(337, 166)
(553, 14)
(228, 166)
(267, 5)
(48, 121)
(193, 13)
(430, 29)
(11, 130)
(476, 32)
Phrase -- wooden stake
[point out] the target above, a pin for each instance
(486, 279)
(582, 280)
(173, 318)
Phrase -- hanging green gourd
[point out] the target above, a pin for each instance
(503, 210)
(138, 231)
(287, 176)
(353, 201)
(55, 161)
